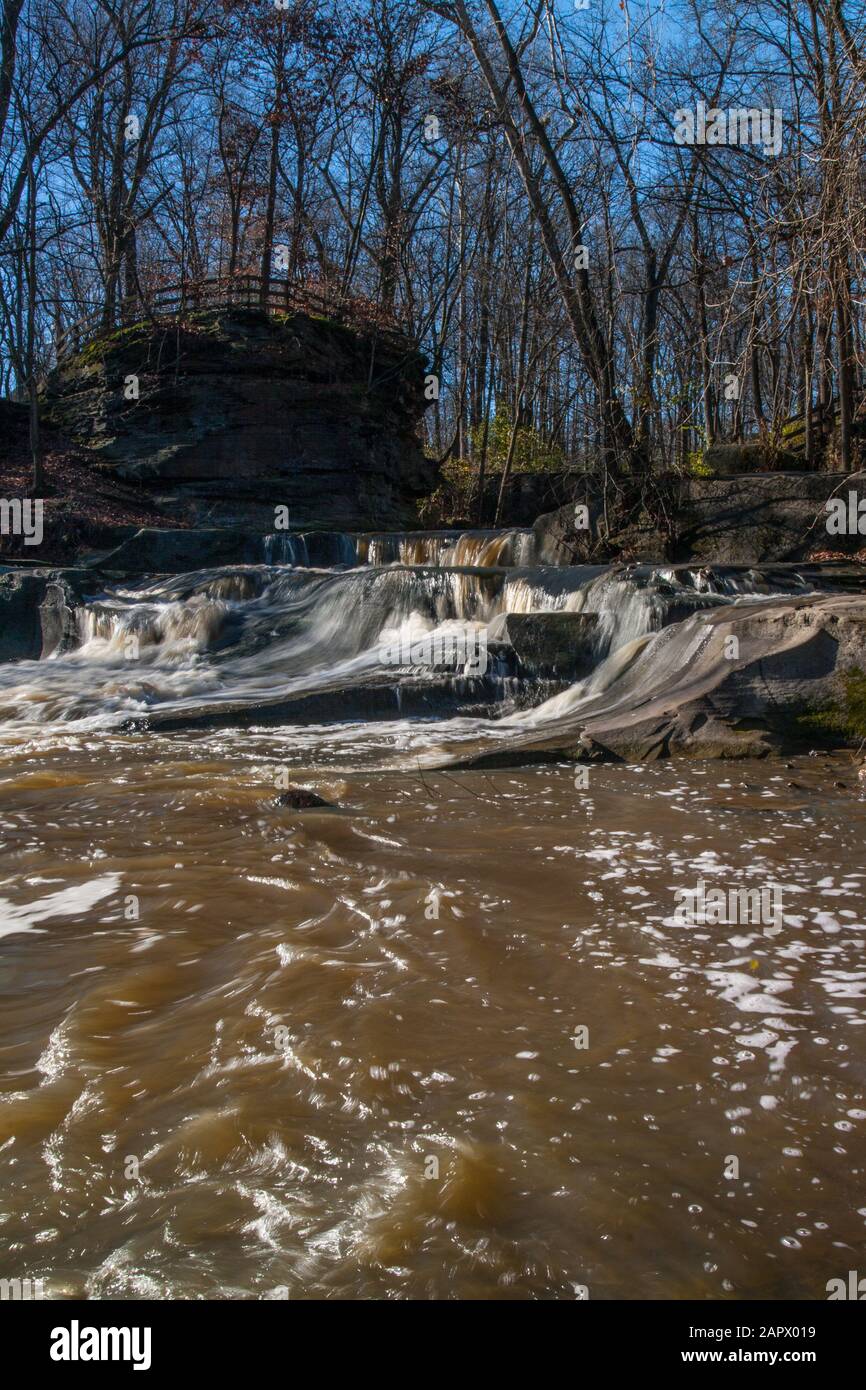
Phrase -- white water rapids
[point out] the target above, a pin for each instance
(239, 641)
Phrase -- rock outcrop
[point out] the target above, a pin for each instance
(747, 520)
(727, 459)
(154, 550)
(37, 611)
(21, 595)
(82, 508)
(232, 413)
(554, 645)
(739, 681)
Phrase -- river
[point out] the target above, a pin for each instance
(447, 1038)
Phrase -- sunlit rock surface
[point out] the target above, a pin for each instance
(741, 680)
(755, 519)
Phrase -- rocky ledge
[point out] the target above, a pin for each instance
(741, 520)
(38, 611)
(742, 681)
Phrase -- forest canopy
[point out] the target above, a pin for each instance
(621, 231)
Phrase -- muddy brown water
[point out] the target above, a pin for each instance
(250, 1053)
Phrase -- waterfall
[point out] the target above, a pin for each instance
(433, 549)
(113, 632)
(285, 548)
(312, 624)
(320, 549)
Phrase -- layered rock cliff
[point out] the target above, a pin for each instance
(233, 412)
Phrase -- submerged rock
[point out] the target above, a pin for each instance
(301, 799)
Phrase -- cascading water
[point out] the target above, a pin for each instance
(448, 549)
(325, 549)
(240, 642)
(283, 548)
(436, 549)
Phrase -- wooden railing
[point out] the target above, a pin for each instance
(172, 303)
(824, 416)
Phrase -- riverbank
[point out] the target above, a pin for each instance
(84, 509)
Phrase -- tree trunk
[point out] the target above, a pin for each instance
(270, 214)
(37, 480)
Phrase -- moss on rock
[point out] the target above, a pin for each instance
(839, 721)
